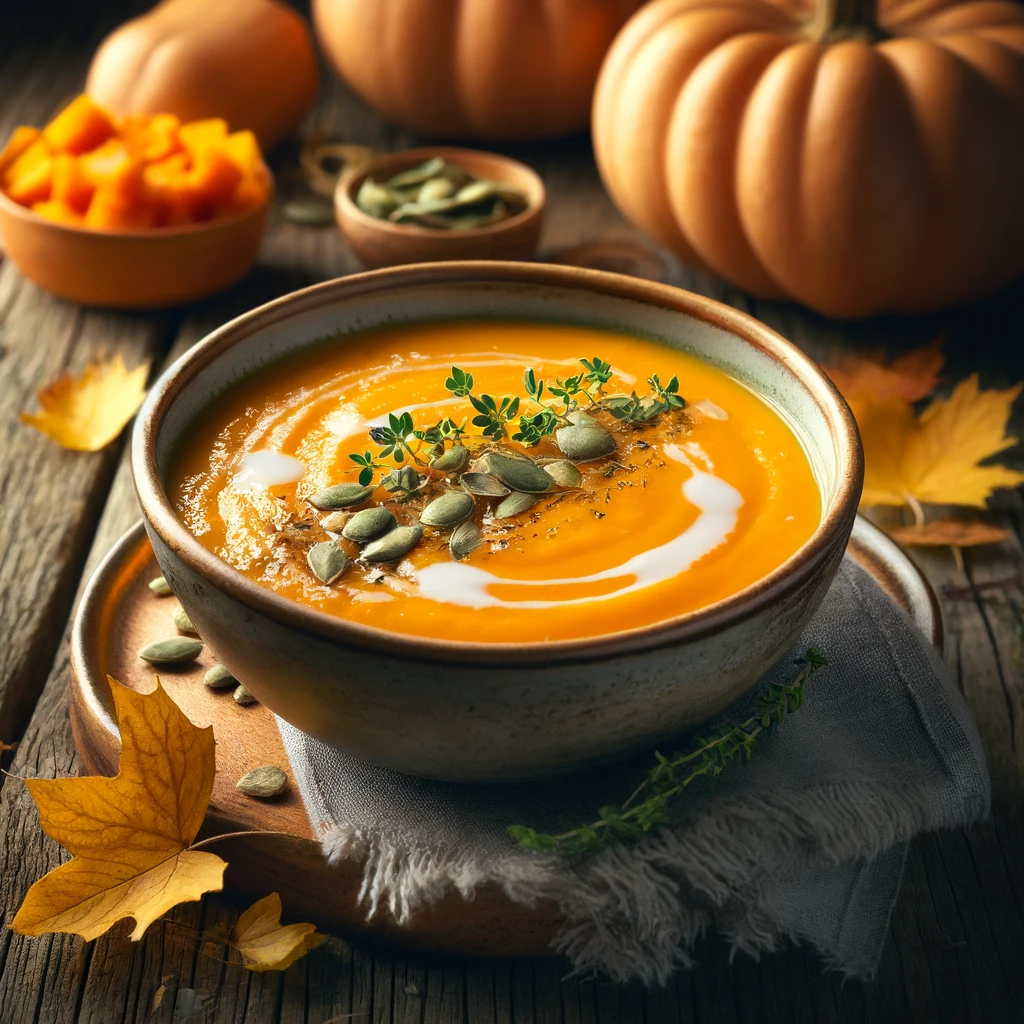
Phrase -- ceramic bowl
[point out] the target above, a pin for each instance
(476, 712)
(132, 269)
(379, 243)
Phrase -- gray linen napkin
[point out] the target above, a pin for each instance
(805, 842)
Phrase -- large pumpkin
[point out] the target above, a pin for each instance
(488, 69)
(855, 164)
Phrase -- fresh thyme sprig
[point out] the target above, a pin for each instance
(650, 804)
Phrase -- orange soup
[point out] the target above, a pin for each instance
(694, 504)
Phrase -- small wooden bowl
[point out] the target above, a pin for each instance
(132, 270)
(379, 243)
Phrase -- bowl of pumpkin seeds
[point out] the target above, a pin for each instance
(423, 205)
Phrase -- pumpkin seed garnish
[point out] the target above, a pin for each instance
(454, 460)
(183, 622)
(519, 474)
(448, 509)
(219, 678)
(340, 496)
(370, 523)
(405, 479)
(515, 503)
(160, 587)
(395, 544)
(484, 485)
(263, 783)
(174, 650)
(585, 443)
(375, 199)
(335, 522)
(564, 473)
(435, 188)
(465, 539)
(327, 560)
(243, 696)
(417, 175)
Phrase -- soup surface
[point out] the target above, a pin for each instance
(688, 509)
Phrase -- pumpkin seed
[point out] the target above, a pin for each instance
(183, 622)
(483, 484)
(471, 221)
(521, 474)
(422, 210)
(335, 522)
(465, 539)
(417, 175)
(435, 188)
(340, 496)
(564, 473)
(375, 199)
(174, 650)
(448, 509)
(311, 212)
(585, 443)
(515, 503)
(243, 696)
(327, 561)
(264, 782)
(370, 523)
(404, 479)
(454, 460)
(580, 419)
(160, 587)
(395, 544)
(219, 678)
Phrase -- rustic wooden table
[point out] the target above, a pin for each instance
(956, 948)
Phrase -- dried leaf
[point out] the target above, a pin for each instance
(130, 834)
(948, 533)
(268, 945)
(85, 413)
(934, 458)
(911, 377)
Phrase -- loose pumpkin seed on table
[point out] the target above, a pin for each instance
(264, 782)
(243, 696)
(220, 678)
(183, 622)
(160, 587)
(173, 650)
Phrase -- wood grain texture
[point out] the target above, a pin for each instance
(957, 938)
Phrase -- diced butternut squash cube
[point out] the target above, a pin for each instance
(169, 189)
(80, 127)
(111, 211)
(249, 193)
(21, 138)
(58, 211)
(112, 166)
(214, 177)
(243, 148)
(151, 137)
(71, 185)
(197, 136)
(28, 179)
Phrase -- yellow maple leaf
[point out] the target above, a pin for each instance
(912, 376)
(129, 835)
(934, 458)
(268, 945)
(85, 413)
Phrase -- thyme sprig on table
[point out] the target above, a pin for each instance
(650, 804)
(527, 418)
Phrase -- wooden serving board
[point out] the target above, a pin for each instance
(119, 614)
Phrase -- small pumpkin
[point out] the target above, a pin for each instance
(856, 161)
(488, 69)
(250, 62)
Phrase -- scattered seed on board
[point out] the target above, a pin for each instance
(311, 212)
(219, 678)
(183, 622)
(173, 650)
(243, 696)
(264, 783)
(160, 587)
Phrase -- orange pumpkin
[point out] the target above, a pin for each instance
(854, 163)
(489, 69)
(250, 62)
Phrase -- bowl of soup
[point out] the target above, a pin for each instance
(357, 495)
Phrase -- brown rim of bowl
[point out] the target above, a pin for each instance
(167, 231)
(837, 519)
(354, 176)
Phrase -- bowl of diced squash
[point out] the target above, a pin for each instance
(132, 212)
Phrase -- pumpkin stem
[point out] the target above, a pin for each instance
(836, 20)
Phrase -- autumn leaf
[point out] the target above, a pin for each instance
(953, 533)
(85, 413)
(129, 835)
(268, 945)
(934, 458)
(912, 376)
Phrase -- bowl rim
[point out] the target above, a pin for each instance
(26, 213)
(833, 530)
(353, 176)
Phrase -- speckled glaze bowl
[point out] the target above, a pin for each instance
(474, 712)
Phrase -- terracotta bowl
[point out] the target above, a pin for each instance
(379, 243)
(131, 269)
(468, 711)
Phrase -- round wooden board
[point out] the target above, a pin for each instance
(119, 614)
